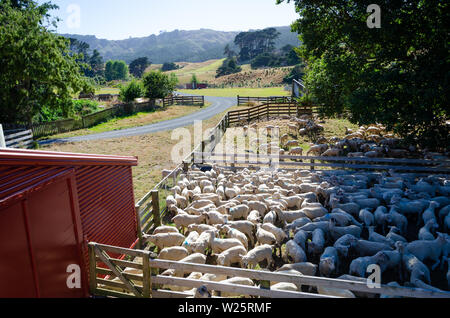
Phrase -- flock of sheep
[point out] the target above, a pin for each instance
(329, 223)
(372, 141)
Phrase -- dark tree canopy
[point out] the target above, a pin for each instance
(397, 75)
(138, 66)
(252, 44)
(229, 66)
(169, 67)
(116, 70)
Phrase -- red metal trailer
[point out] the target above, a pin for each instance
(51, 206)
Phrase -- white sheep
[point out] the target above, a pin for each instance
(257, 255)
(175, 253)
(164, 240)
(265, 237)
(184, 220)
(231, 256)
(239, 212)
(233, 233)
(431, 250)
(307, 269)
(165, 229)
(329, 262)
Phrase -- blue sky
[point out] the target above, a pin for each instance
(121, 19)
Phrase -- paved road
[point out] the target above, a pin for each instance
(219, 105)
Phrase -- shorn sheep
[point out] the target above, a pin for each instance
(316, 223)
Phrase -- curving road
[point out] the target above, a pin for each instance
(219, 105)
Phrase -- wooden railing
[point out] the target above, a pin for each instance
(296, 162)
(272, 99)
(121, 277)
(265, 111)
(184, 100)
(18, 138)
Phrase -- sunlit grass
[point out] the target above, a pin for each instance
(233, 92)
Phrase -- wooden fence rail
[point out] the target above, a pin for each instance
(116, 277)
(244, 100)
(184, 100)
(18, 138)
(414, 165)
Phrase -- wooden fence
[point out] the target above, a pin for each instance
(136, 274)
(184, 100)
(265, 111)
(272, 99)
(18, 138)
(66, 125)
(343, 163)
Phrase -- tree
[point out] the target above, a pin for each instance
(229, 66)
(37, 70)
(297, 73)
(159, 85)
(131, 91)
(254, 43)
(396, 75)
(169, 67)
(138, 66)
(116, 70)
(229, 53)
(194, 79)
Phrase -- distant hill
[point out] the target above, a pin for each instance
(189, 46)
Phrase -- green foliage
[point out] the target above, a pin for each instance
(266, 60)
(131, 91)
(83, 107)
(138, 66)
(396, 75)
(298, 72)
(194, 79)
(38, 70)
(159, 85)
(229, 66)
(254, 43)
(116, 70)
(169, 67)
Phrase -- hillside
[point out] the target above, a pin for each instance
(190, 46)
(206, 72)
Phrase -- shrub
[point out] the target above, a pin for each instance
(159, 85)
(131, 91)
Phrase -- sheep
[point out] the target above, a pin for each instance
(431, 250)
(425, 233)
(314, 212)
(289, 216)
(358, 266)
(295, 252)
(317, 245)
(296, 151)
(285, 287)
(196, 258)
(344, 244)
(233, 233)
(366, 217)
(213, 218)
(284, 139)
(236, 281)
(175, 253)
(258, 206)
(307, 269)
(394, 236)
(334, 152)
(164, 240)
(300, 238)
(192, 238)
(200, 228)
(239, 212)
(280, 235)
(297, 223)
(310, 227)
(337, 232)
(329, 262)
(340, 218)
(245, 227)
(257, 255)
(351, 208)
(429, 214)
(265, 237)
(375, 237)
(418, 271)
(368, 248)
(221, 245)
(184, 220)
(165, 229)
(399, 220)
(231, 256)
(254, 217)
(317, 149)
(203, 242)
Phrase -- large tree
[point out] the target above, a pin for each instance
(158, 84)
(116, 70)
(397, 75)
(254, 43)
(37, 69)
(138, 66)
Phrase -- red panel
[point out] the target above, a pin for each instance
(16, 275)
(53, 239)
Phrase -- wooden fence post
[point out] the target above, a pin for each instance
(92, 269)
(2, 138)
(185, 166)
(156, 211)
(238, 101)
(138, 227)
(147, 279)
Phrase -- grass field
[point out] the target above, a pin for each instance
(153, 151)
(233, 92)
(136, 120)
(205, 71)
